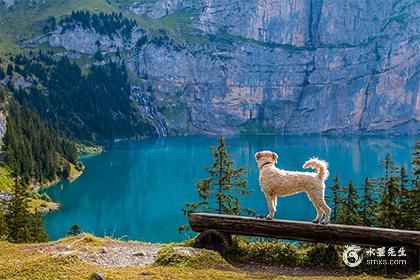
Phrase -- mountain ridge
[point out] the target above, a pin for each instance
(264, 66)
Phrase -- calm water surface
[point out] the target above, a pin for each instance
(137, 189)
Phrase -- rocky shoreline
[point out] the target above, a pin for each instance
(45, 206)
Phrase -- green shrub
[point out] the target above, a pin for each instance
(320, 254)
(188, 243)
(203, 259)
(271, 251)
(168, 256)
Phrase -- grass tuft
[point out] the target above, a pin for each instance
(6, 178)
(203, 259)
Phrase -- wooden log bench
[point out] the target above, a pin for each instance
(216, 230)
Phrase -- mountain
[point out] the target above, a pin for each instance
(260, 66)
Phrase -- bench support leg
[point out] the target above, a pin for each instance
(214, 240)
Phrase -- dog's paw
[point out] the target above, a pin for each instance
(316, 221)
(324, 222)
(268, 217)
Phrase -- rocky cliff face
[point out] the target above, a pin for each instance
(3, 114)
(294, 66)
(2, 125)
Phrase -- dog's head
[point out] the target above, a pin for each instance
(266, 156)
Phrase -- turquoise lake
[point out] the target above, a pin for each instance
(136, 189)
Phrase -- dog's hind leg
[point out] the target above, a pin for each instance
(327, 211)
(318, 206)
(319, 212)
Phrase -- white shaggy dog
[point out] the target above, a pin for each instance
(276, 182)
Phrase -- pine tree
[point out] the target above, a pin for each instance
(3, 225)
(220, 192)
(367, 205)
(74, 230)
(414, 192)
(335, 199)
(388, 165)
(17, 216)
(37, 231)
(388, 208)
(98, 55)
(416, 160)
(2, 74)
(403, 201)
(9, 70)
(33, 149)
(350, 207)
(22, 226)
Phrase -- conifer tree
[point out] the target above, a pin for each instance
(367, 205)
(3, 226)
(37, 231)
(335, 198)
(416, 160)
(74, 230)
(404, 207)
(9, 70)
(2, 74)
(388, 208)
(98, 55)
(350, 207)
(17, 216)
(389, 167)
(414, 192)
(221, 190)
(22, 226)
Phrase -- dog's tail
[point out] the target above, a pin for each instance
(321, 167)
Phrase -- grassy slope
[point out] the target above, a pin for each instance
(23, 21)
(27, 262)
(6, 180)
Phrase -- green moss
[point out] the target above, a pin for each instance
(271, 251)
(320, 254)
(203, 259)
(168, 256)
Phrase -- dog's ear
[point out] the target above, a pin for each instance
(275, 156)
(257, 155)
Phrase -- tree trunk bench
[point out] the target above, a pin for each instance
(216, 230)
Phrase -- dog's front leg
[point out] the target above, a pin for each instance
(272, 204)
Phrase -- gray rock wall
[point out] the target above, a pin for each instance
(3, 117)
(293, 66)
(2, 126)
